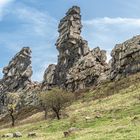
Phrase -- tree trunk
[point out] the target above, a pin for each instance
(13, 120)
(56, 111)
(57, 115)
(46, 113)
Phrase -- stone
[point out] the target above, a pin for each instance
(66, 134)
(73, 129)
(125, 58)
(70, 131)
(8, 135)
(32, 134)
(17, 134)
(88, 119)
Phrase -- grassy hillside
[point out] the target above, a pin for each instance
(113, 110)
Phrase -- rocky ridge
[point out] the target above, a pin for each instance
(17, 75)
(70, 44)
(17, 78)
(89, 70)
(125, 58)
(77, 65)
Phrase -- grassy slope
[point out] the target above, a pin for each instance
(116, 104)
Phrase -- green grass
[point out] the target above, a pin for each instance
(118, 110)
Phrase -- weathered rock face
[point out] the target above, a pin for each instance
(70, 44)
(17, 75)
(90, 70)
(18, 72)
(50, 74)
(125, 58)
(49, 79)
(77, 65)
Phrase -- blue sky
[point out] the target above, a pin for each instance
(34, 23)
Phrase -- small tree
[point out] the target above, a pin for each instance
(12, 102)
(43, 103)
(56, 100)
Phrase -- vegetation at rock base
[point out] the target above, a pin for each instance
(114, 115)
(55, 99)
(13, 100)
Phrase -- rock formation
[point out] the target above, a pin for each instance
(17, 75)
(70, 44)
(49, 79)
(90, 70)
(75, 58)
(125, 58)
(78, 67)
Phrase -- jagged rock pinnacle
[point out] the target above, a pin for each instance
(18, 72)
(74, 50)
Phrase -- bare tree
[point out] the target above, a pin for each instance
(55, 99)
(12, 100)
(43, 103)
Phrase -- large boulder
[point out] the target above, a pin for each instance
(8, 135)
(17, 134)
(125, 58)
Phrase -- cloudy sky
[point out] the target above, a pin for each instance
(34, 23)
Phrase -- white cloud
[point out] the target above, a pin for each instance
(106, 32)
(42, 23)
(4, 2)
(38, 30)
(42, 26)
(112, 21)
(3, 5)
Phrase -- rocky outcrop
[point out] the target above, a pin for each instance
(125, 58)
(49, 75)
(70, 44)
(90, 70)
(49, 79)
(17, 75)
(77, 66)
